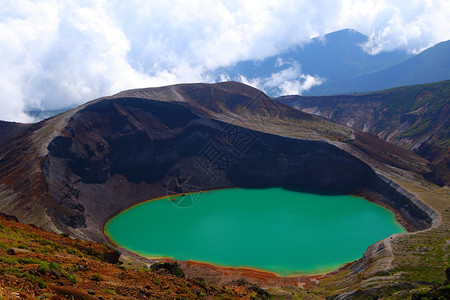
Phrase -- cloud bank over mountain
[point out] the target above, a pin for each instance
(60, 53)
(289, 81)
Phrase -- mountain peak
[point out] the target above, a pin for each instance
(335, 56)
(345, 35)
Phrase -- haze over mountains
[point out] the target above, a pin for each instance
(338, 63)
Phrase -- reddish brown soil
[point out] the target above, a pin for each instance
(78, 270)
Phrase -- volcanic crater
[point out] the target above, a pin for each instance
(78, 169)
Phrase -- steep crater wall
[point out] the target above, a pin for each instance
(116, 153)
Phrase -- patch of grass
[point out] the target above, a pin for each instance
(74, 251)
(46, 266)
(31, 235)
(47, 249)
(96, 277)
(18, 273)
(28, 261)
(3, 246)
(171, 268)
(8, 260)
(227, 291)
(200, 282)
(45, 242)
(89, 250)
(13, 261)
(72, 278)
(9, 234)
(439, 291)
(420, 273)
(416, 129)
(109, 291)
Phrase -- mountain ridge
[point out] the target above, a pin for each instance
(331, 57)
(415, 117)
(431, 65)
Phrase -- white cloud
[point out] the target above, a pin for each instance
(57, 53)
(403, 24)
(289, 81)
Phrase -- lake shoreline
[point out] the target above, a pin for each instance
(289, 193)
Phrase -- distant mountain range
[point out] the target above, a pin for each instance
(431, 65)
(343, 66)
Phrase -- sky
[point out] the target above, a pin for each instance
(56, 54)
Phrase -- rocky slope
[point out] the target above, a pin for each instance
(35, 264)
(8, 130)
(414, 117)
(72, 172)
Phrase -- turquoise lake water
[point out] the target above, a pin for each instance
(273, 229)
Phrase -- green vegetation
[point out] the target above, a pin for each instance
(72, 278)
(413, 117)
(46, 242)
(74, 251)
(13, 261)
(45, 267)
(29, 271)
(96, 277)
(200, 282)
(422, 106)
(20, 246)
(3, 246)
(72, 268)
(411, 99)
(110, 291)
(13, 235)
(47, 249)
(170, 268)
(19, 273)
(438, 291)
(228, 291)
